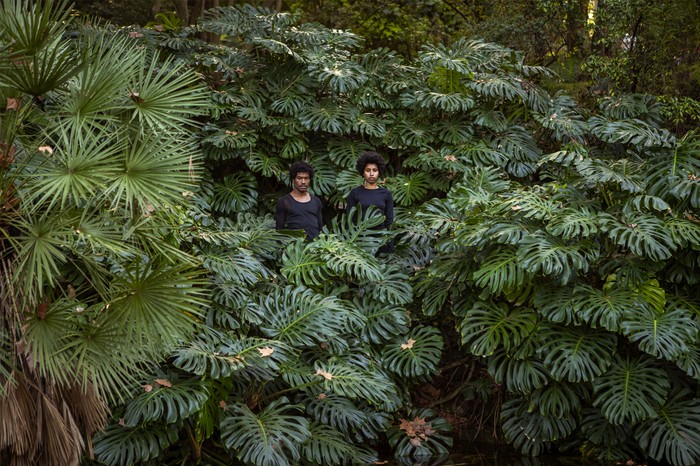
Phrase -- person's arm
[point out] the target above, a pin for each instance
(280, 214)
(389, 215)
(350, 202)
(319, 213)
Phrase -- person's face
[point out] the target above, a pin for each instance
(301, 182)
(371, 173)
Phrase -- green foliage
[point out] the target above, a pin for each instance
(552, 246)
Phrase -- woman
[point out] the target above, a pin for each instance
(372, 166)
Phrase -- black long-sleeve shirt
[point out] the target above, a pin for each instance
(380, 198)
(295, 215)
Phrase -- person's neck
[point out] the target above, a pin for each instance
(371, 186)
(300, 196)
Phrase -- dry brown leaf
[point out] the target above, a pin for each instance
(12, 104)
(266, 351)
(326, 375)
(408, 344)
(164, 382)
(147, 388)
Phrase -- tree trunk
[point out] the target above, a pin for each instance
(182, 11)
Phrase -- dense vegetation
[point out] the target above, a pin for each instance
(546, 258)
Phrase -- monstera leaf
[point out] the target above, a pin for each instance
(415, 355)
(486, 327)
(327, 446)
(383, 322)
(576, 354)
(119, 445)
(666, 335)
(166, 400)
(272, 437)
(519, 374)
(629, 389)
(301, 317)
(674, 433)
(530, 431)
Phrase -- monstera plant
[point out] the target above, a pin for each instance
(545, 254)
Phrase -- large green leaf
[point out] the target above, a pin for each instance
(576, 354)
(383, 322)
(629, 389)
(300, 317)
(668, 334)
(272, 437)
(165, 400)
(415, 355)
(674, 433)
(530, 431)
(487, 327)
(118, 445)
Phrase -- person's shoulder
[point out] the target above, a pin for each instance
(281, 200)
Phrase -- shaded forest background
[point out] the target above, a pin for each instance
(596, 46)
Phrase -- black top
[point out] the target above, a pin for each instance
(380, 198)
(295, 215)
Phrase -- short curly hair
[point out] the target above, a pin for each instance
(370, 157)
(300, 167)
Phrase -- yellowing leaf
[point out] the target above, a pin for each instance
(408, 344)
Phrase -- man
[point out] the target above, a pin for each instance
(299, 209)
